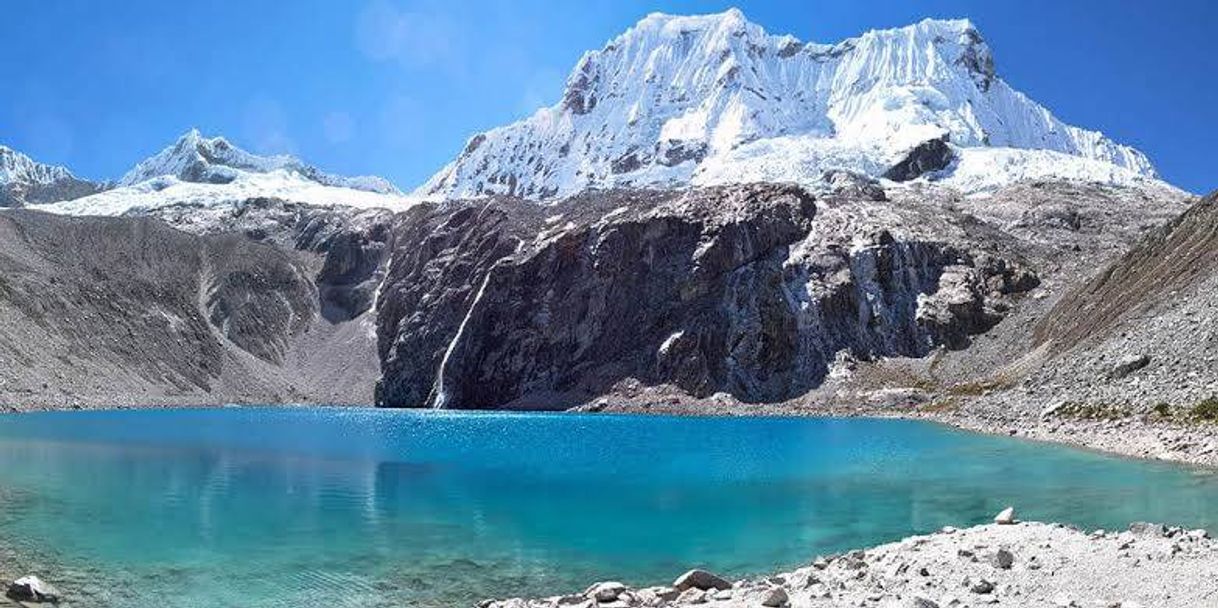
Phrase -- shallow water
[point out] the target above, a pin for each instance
(354, 507)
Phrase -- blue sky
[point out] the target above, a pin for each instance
(395, 87)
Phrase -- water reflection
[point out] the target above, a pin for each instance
(282, 507)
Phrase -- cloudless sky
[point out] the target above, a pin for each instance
(396, 87)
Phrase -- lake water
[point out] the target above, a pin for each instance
(355, 507)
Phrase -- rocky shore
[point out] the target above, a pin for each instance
(1185, 443)
(1180, 440)
(1022, 564)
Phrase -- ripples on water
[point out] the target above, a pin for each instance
(352, 507)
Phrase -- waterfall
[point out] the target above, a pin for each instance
(439, 389)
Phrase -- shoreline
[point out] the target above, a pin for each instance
(1193, 444)
(1137, 437)
(1023, 564)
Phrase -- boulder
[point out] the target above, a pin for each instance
(981, 586)
(666, 594)
(700, 579)
(605, 592)
(1127, 365)
(32, 589)
(1003, 559)
(918, 601)
(692, 596)
(1141, 528)
(1005, 517)
(774, 597)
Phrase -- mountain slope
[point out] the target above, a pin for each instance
(109, 311)
(1144, 330)
(713, 99)
(24, 181)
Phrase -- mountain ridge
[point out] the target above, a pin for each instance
(24, 180)
(214, 174)
(700, 100)
(195, 158)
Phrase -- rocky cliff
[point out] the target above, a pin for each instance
(758, 292)
(748, 290)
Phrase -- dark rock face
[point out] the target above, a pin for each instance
(928, 156)
(978, 59)
(21, 194)
(493, 304)
(579, 98)
(257, 306)
(433, 282)
(673, 153)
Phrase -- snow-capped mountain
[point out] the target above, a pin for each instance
(25, 181)
(714, 99)
(197, 159)
(212, 173)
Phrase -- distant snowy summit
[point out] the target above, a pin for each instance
(715, 99)
(24, 181)
(212, 172)
(197, 159)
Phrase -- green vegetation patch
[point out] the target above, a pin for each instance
(1093, 411)
(1205, 410)
(978, 388)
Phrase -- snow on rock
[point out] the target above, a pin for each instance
(715, 99)
(15, 166)
(194, 158)
(211, 173)
(24, 180)
(988, 169)
(166, 191)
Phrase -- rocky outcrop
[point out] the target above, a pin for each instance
(32, 589)
(927, 157)
(715, 290)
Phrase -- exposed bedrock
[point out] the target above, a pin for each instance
(509, 304)
(927, 157)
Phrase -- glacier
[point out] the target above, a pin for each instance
(713, 99)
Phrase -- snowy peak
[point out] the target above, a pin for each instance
(212, 177)
(678, 100)
(197, 159)
(25, 181)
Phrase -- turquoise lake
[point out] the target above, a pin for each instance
(303, 507)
